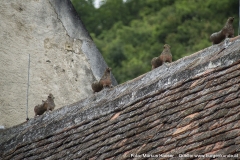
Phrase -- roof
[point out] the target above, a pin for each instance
(189, 107)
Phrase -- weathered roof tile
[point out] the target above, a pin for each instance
(192, 108)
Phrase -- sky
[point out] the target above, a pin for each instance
(97, 3)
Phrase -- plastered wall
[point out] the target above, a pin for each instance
(59, 62)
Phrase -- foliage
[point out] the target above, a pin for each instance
(129, 34)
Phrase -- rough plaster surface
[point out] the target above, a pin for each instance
(57, 62)
(75, 29)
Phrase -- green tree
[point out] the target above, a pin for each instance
(129, 34)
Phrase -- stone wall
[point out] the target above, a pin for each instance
(64, 60)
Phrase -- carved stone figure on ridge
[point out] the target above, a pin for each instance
(105, 81)
(45, 106)
(166, 55)
(156, 62)
(226, 32)
(50, 102)
(96, 87)
(40, 108)
(106, 78)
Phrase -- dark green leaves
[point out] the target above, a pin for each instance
(130, 34)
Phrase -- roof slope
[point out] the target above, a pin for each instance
(188, 107)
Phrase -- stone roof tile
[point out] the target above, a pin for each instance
(191, 109)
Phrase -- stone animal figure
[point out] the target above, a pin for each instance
(40, 108)
(50, 102)
(226, 32)
(166, 55)
(156, 62)
(45, 106)
(105, 81)
(96, 87)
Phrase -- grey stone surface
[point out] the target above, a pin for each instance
(62, 57)
(76, 29)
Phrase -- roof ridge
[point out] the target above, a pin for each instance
(109, 104)
(100, 97)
